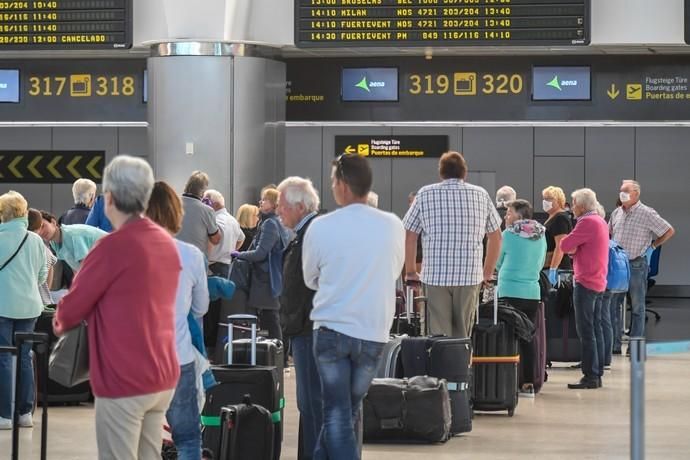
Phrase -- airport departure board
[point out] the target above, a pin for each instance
(401, 23)
(65, 24)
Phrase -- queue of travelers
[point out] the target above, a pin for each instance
(153, 261)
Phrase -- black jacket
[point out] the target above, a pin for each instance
(75, 215)
(296, 299)
(523, 327)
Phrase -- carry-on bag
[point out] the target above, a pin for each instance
(39, 345)
(540, 349)
(247, 432)
(494, 363)
(562, 341)
(59, 394)
(234, 382)
(415, 409)
(444, 358)
(407, 320)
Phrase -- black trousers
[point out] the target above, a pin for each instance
(212, 317)
(528, 350)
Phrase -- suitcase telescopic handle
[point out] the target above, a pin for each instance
(234, 319)
(409, 302)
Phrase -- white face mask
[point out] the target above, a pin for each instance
(624, 197)
(547, 205)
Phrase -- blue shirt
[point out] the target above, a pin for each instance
(519, 265)
(77, 241)
(97, 216)
(20, 279)
(192, 296)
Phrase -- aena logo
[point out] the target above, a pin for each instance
(363, 84)
(558, 84)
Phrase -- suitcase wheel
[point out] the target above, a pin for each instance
(511, 412)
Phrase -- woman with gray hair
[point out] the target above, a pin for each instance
(84, 194)
(297, 208)
(126, 292)
(22, 269)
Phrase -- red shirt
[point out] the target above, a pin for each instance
(126, 291)
(589, 242)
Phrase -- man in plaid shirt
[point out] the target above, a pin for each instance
(452, 218)
(639, 229)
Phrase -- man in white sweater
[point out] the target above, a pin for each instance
(351, 258)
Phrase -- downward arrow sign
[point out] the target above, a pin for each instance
(613, 92)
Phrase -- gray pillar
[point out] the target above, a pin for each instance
(215, 108)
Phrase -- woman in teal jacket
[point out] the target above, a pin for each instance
(22, 269)
(521, 259)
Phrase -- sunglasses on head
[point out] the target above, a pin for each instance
(340, 166)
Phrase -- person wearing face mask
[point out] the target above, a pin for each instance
(504, 195)
(639, 229)
(266, 255)
(558, 225)
(589, 245)
(521, 259)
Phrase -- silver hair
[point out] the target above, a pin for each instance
(634, 183)
(601, 211)
(373, 199)
(83, 191)
(216, 197)
(130, 182)
(586, 198)
(505, 195)
(295, 190)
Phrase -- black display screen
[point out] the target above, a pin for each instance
(65, 24)
(561, 83)
(356, 23)
(9, 85)
(369, 84)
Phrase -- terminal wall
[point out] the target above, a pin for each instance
(529, 159)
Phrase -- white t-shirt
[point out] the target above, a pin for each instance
(231, 234)
(352, 258)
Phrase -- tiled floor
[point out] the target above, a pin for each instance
(559, 424)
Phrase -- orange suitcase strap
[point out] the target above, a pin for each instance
(495, 359)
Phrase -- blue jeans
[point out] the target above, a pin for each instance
(616, 306)
(309, 400)
(183, 415)
(585, 302)
(638, 293)
(605, 329)
(346, 367)
(8, 327)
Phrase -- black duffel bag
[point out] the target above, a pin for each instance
(414, 409)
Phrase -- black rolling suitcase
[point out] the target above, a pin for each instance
(39, 343)
(235, 381)
(415, 409)
(494, 363)
(247, 432)
(444, 358)
(562, 341)
(60, 394)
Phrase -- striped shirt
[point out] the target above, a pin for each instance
(636, 228)
(452, 218)
(43, 288)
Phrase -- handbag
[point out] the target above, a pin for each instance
(240, 274)
(69, 359)
(260, 292)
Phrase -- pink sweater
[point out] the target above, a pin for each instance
(589, 244)
(126, 292)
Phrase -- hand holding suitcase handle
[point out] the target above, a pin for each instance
(234, 319)
(495, 285)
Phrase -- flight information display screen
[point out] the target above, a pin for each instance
(356, 23)
(65, 24)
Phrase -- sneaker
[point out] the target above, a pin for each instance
(5, 423)
(26, 420)
(607, 367)
(527, 393)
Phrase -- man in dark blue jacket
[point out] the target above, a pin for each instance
(297, 207)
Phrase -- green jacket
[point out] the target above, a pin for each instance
(19, 280)
(521, 259)
(77, 241)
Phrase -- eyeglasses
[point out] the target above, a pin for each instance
(340, 166)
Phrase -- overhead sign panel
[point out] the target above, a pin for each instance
(50, 167)
(356, 23)
(65, 24)
(392, 146)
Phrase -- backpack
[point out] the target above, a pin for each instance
(618, 277)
